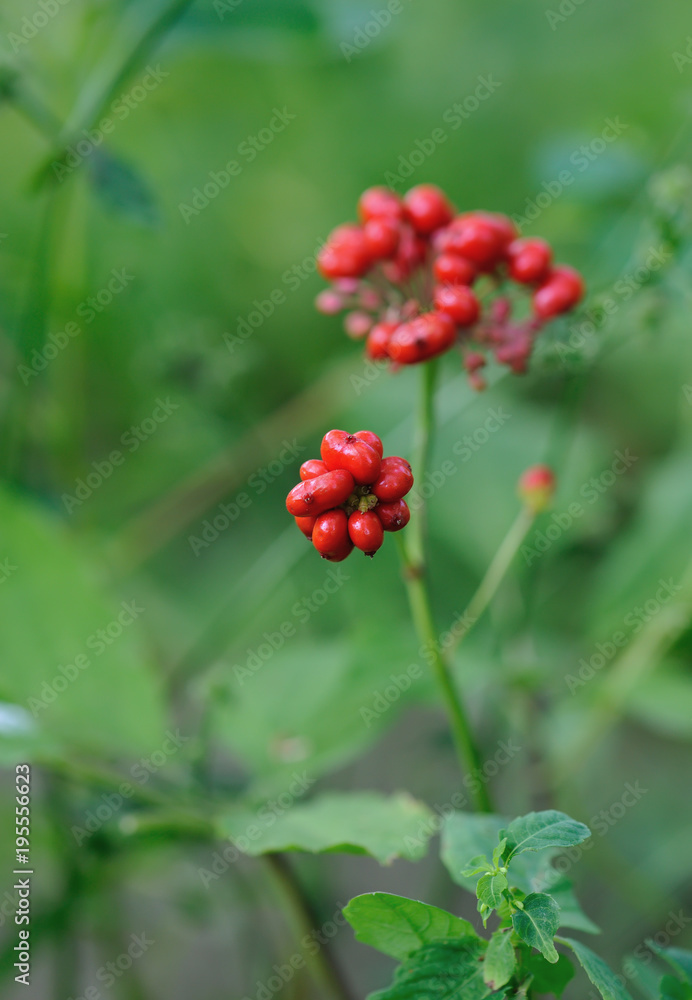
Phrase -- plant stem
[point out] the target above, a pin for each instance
(305, 920)
(412, 553)
(495, 573)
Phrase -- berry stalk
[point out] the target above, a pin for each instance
(412, 551)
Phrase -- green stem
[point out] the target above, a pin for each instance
(412, 552)
(304, 921)
(495, 574)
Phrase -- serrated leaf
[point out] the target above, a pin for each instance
(672, 989)
(500, 960)
(539, 830)
(549, 977)
(498, 851)
(537, 923)
(398, 926)
(384, 827)
(602, 977)
(490, 888)
(447, 971)
(465, 834)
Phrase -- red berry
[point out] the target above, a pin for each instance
(422, 338)
(312, 468)
(340, 450)
(380, 203)
(458, 302)
(378, 339)
(474, 237)
(330, 532)
(372, 439)
(306, 524)
(529, 260)
(395, 479)
(427, 208)
(503, 226)
(561, 291)
(343, 552)
(451, 269)
(382, 237)
(394, 516)
(345, 254)
(366, 531)
(314, 496)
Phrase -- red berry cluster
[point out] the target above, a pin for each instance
(350, 496)
(418, 279)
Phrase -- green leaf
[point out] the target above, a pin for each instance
(359, 823)
(121, 187)
(74, 656)
(549, 977)
(448, 971)
(672, 989)
(537, 923)
(498, 851)
(602, 977)
(467, 834)
(500, 960)
(538, 830)
(571, 913)
(678, 959)
(490, 889)
(398, 926)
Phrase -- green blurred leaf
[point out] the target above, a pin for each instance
(678, 959)
(500, 960)
(537, 923)
(74, 657)
(446, 971)
(602, 977)
(398, 926)
(571, 913)
(673, 989)
(549, 977)
(121, 187)
(353, 823)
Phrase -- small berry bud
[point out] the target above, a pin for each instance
(329, 302)
(537, 487)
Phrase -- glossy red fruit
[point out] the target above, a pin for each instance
(382, 237)
(458, 302)
(366, 531)
(394, 516)
(395, 479)
(306, 524)
(380, 203)
(422, 338)
(475, 238)
(529, 260)
(330, 532)
(340, 450)
(312, 468)
(314, 496)
(561, 291)
(372, 439)
(342, 553)
(427, 208)
(345, 254)
(503, 226)
(451, 269)
(378, 339)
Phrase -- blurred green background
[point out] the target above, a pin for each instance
(195, 355)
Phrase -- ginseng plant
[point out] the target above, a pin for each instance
(419, 281)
